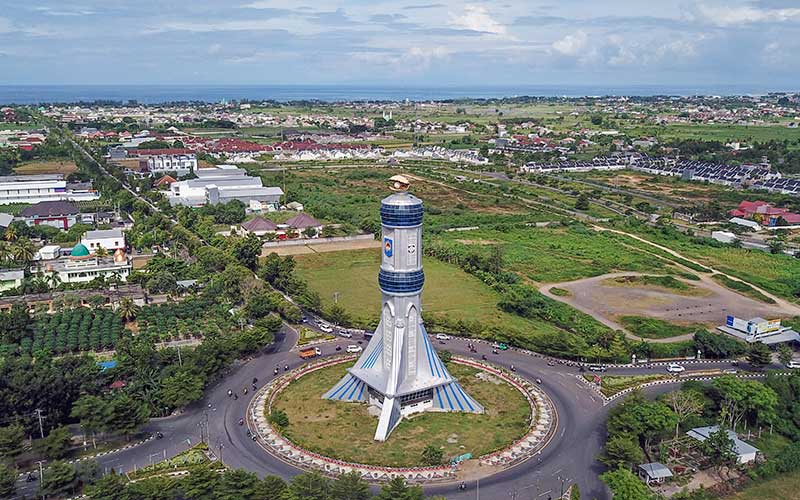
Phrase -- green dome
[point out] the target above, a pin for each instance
(80, 250)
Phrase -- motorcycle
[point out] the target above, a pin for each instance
(241, 422)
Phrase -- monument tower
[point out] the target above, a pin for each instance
(399, 371)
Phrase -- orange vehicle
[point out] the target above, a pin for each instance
(310, 352)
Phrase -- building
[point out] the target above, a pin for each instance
(723, 236)
(259, 226)
(399, 372)
(110, 239)
(48, 252)
(745, 453)
(5, 220)
(11, 279)
(765, 214)
(759, 330)
(43, 187)
(654, 472)
(60, 214)
(81, 266)
(182, 164)
(222, 184)
(303, 224)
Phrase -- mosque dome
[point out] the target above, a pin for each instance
(80, 250)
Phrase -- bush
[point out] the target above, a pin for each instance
(279, 418)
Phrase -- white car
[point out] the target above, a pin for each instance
(326, 328)
(346, 334)
(354, 348)
(793, 364)
(442, 336)
(675, 368)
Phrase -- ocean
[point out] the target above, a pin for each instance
(154, 94)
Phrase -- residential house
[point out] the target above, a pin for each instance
(745, 453)
(10, 279)
(259, 226)
(60, 214)
(109, 239)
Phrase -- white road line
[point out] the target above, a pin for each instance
(556, 472)
(546, 492)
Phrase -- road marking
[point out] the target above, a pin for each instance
(563, 431)
(556, 472)
(546, 492)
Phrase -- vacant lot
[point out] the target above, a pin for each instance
(345, 430)
(448, 290)
(65, 167)
(650, 328)
(663, 283)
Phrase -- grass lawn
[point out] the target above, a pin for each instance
(65, 167)
(308, 335)
(345, 430)
(783, 487)
(651, 328)
(742, 288)
(448, 290)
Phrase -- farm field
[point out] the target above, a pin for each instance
(718, 132)
(65, 167)
(345, 430)
(448, 291)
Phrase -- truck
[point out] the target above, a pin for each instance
(310, 352)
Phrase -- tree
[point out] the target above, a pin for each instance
(759, 355)
(8, 480)
(200, 484)
(685, 404)
(622, 451)
(247, 251)
(181, 389)
(108, 487)
(56, 444)
(624, 485)
(775, 246)
(124, 414)
(719, 448)
(59, 479)
(90, 411)
(101, 252)
(127, 309)
(785, 354)
(738, 397)
(397, 489)
(582, 203)
(338, 315)
(575, 493)
(308, 486)
(11, 439)
(432, 455)
(445, 356)
(350, 486)
(279, 418)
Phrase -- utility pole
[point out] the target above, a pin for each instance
(220, 453)
(180, 362)
(41, 475)
(39, 415)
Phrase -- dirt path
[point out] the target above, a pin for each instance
(706, 278)
(545, 290)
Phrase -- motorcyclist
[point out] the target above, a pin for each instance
(245, 390)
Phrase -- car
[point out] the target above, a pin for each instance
(675, 368)
(304, 319)
(501, 345)
(325, 328)
(354, 348)
(730, 371)
(597, 368)
(442, 336)
(345, 334)
(793, 364)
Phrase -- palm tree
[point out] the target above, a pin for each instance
(11, 234)
(23, 250)
(101, 252)
(5, 251)
(127, 309)
(53, 280)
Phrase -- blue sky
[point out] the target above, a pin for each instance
(404, 42)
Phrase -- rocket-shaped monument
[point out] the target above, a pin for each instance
(399, 371)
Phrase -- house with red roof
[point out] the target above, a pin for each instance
(765, 214)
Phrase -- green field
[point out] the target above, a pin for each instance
(651, 328)
(448, 290)
(557, 254)
(721, 133)
(661, 283)
(742, 288)
(779, 488)
(344, 430)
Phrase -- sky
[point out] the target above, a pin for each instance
(401, 42)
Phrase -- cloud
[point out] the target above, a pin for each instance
(477, 18)
(5, 25)
(571, 45)
(64, 11)
(729, 15)
(424, 6)
(214, 48)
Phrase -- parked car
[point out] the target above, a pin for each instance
(793, 364)
(442, 336)
(675, 368)
(597, 368)
(346, 334)
(354, 348)
(325, 327)
(730, 371)
(304, 319)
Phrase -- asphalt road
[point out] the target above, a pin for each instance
(571, 454)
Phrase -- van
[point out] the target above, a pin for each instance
(793, 364)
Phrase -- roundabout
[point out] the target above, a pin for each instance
(329, 437)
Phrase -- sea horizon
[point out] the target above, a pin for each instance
(166, 93)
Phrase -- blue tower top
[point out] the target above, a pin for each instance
(401, 210)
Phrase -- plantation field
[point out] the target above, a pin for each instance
(448, 290)
(345, 430)
(557, 254)
(74, 330)
(65, 167)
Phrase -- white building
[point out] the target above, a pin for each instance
(180, 164)
(81, 266)
(110, 239)
(745, 453)
(44, 187)
(221, 185)
(10, 279)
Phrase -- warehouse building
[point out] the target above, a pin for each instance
(222, 184)
(43, 187)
